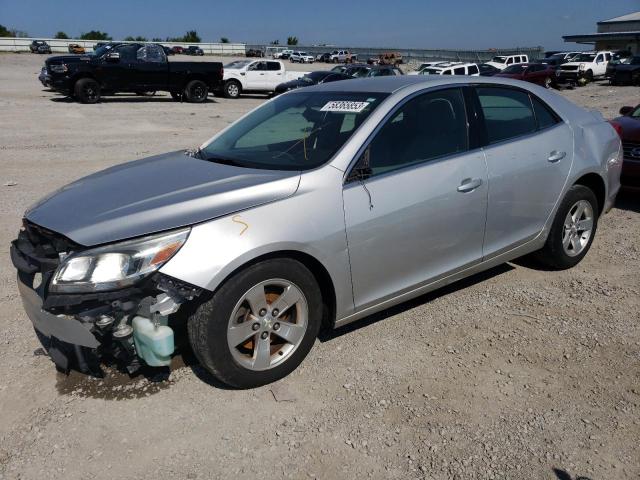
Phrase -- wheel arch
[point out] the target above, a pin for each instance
(596, 184)
(315, 266)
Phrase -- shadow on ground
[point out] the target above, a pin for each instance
(409, 304)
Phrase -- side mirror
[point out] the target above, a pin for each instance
(112, 57)
(626, 110)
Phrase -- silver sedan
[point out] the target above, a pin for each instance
(318, 208)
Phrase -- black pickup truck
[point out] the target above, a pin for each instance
(132, 67)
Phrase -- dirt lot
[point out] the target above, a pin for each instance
(511, 374)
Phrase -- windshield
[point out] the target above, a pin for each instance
(298, 131)
(101, 50)
(515, 69)
(585, 57)
(238, 64)
(432, 71)
(499, 59)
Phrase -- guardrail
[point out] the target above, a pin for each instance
(62, 46)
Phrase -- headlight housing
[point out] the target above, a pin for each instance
(59, 68)
(116, 266)
(582, 66)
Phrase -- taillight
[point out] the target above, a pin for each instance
(617, 127)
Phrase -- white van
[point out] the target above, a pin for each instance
(470, 69)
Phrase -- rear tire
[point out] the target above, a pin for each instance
(87, 90)
(570, 240)
(228, 317)
(196, 91)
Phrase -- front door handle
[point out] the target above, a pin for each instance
(556, 156)
(469, 184)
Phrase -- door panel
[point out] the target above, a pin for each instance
(421, 214)
(420, 227)
(151, 70)
(527, 174)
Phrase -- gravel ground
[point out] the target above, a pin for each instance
(515, 373)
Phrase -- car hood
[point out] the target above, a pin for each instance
(155, 194)
(293, 84)
(68, 59)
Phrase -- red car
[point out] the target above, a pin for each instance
(177, 50)
(539, 73)
(628, 127)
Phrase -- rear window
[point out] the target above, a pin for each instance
(507, 113)
(544, 116)
(473, 69)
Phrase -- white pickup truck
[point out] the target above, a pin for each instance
(255, 76)
(584, 68)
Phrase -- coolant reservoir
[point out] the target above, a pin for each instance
(154, 343)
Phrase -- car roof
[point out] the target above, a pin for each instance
(396, 83)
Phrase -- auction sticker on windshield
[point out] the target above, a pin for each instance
(344, 106)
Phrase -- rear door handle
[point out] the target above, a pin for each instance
(469, 184)
(556, 156)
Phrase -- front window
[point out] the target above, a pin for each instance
(585, 57)
(298, 131)
(507, 113)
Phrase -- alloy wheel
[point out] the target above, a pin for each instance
(578, 227)
(268, 324)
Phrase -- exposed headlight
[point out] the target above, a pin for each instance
(582, 66)
(59, 68)
(116, 266)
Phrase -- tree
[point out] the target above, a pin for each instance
(95, 35)
(292, 40)
(135, 39)
(156, 39)
(191, 37)
(5, 32)
(61, 35)
(224, 40)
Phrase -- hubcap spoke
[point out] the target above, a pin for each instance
(287, 299)
(240, 333)
(585, 225)
(262, 353)
(566, 240)
(257, 299)
(291, 332)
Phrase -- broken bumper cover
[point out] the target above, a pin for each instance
(62, 327)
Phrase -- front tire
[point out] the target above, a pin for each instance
(232, 89)
(87, 90)
(259, 325)
(573, 229)
(196, 91)
(548, 83)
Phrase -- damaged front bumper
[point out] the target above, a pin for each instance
(128, 327)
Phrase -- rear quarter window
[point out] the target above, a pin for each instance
(545, 117)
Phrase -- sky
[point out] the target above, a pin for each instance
(429, 24)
